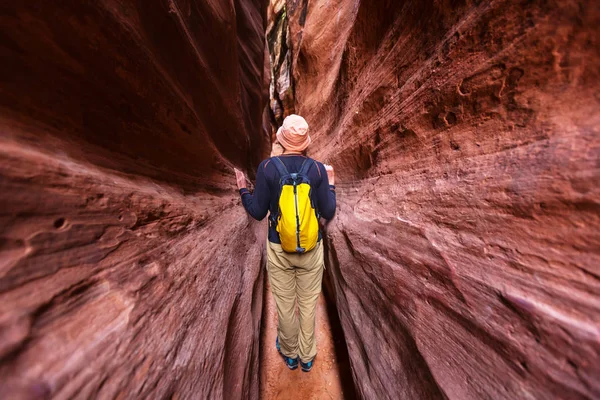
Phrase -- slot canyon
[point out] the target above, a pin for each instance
(464, 258)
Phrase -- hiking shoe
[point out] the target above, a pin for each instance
(292, 363)
(306, 367)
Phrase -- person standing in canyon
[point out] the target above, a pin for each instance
(296, 191)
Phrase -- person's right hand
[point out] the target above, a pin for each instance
(330, 173)
(240, 179)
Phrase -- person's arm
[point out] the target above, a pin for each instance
(326, 193)
(257, 203)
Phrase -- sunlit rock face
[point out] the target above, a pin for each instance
(128, 268)
(465, 137)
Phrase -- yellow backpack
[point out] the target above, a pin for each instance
(297, 219)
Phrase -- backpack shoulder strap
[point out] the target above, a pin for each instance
(306, 165)
(304, 169)
(282, 170)
(280, 167)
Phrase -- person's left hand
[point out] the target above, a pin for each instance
(240, 179)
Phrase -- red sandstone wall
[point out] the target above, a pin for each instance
(465, 253)
(121, 274)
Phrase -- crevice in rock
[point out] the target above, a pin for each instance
(333, 363)
(281, 87)
(339, 341)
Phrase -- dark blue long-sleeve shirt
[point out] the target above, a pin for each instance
(265, 196)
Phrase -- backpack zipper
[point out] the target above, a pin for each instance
(298, 248)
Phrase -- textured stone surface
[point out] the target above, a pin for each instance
(281, 90)
(128, 268)
(465, 136)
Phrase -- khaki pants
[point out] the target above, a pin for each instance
(296, 277)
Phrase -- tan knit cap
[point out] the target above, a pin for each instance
(293, 134)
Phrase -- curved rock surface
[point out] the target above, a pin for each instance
(121, 274)
(465, 253)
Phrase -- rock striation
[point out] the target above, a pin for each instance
(128, 268)
(465, 252)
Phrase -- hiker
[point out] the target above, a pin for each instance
(296, 190)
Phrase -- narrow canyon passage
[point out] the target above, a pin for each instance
(329, 379)
(464, 258)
